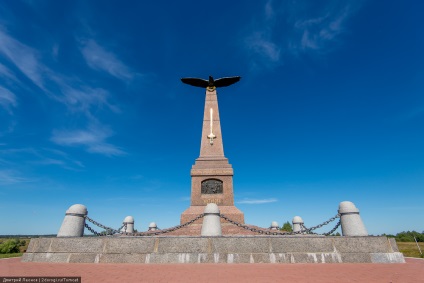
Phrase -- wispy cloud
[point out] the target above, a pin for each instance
(12, 157)
(257, 201)
(93, 139)
(317, 33)
(84, 98)
(261, 44)
(100, 59)
(7, 99)
(72, 91)
(6, 73)
(306, 28)
(23, 57)
(8, 177)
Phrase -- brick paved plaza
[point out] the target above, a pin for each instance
(411, 271)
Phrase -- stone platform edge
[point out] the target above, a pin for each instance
(227, 249)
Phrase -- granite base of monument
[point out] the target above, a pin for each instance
(231, 212)
(235, 249)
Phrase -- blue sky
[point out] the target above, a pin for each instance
(330, 108)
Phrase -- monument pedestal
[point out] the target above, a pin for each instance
(212, 174)
(229, 249)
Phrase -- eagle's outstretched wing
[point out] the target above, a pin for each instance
(226, 81)
(196, 82)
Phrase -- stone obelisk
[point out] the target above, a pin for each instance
(212, 174)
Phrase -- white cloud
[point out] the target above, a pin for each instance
(93, 139)
(7, 99)
(85, 98)
(74, 93)
(8, 177)
(257, 201)
(6, 73)
(24, 58)
(105, 149)
(306, 28)
(78, 137)
(100, 59)
(261, 44)
(71, 91)
(318, 32)
(40, 156)
(269, 11)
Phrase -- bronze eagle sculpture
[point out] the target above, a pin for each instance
(211, 84)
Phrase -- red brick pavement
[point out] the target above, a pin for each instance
(411, 271)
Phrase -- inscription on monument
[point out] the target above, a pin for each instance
(212, 186)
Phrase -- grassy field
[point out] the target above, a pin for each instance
(10, 255)
(410, 249)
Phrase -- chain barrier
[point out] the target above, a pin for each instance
(309, 230)
(334, 229)
(159, 232)
(304, 230)
(108, 231)
(322, 224)
(260, 230)
(264, 231)
(92, 230)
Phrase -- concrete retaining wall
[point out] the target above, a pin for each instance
(236, 249)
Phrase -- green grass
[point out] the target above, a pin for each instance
(410, 249)
(10, 255)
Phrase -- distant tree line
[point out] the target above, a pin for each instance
(27, 236)
(407, 236)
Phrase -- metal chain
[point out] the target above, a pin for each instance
(92, 230)
(334, 229)
(159, 232)
(260, 231)
(306, 230)
(322, 224)
(109, 231)
(267, 232)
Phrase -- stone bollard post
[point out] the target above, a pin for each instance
(153, 226)
(211, 221)
(297, 224)
(129, 220)
(352, 224)
(274, 225)
(73, 223)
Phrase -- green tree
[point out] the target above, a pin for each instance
(287, 227)
(9, 247)
(408, 236)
